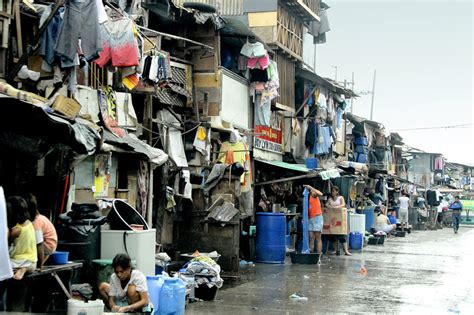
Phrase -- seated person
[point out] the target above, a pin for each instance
(382, 223)
(46, 236)
(127, 290)
(21, 237)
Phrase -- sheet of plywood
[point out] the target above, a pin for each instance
(259, 19)
(206, 80)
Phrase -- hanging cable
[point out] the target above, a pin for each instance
(427, 128)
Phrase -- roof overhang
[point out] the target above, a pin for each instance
(34, 123)
(327, 83)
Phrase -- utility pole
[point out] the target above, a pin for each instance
(352, 98)
(335, 73)
(373, 94)
(314, 58)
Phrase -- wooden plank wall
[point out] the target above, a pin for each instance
(313, 5)
(290, 31)
(286, 72)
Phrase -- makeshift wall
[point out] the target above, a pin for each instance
(235, 100)
(83, 179)
(420, 170)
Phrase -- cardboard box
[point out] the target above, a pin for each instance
(66, 106)
(335, 221)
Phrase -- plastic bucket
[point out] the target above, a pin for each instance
(271, 237)
(76, 307)
(312, 163)
(59, 258)
(123, 215)
(154, 284)
(355, 240)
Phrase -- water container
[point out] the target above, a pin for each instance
(357, 222)
(59, 258)
(271, 240)
(369, 217)
(312, 163)
(361, 149)
(355, 240)
(361, 141)
(361, 158)
(172, 297)
(76, 307)
(154, 284)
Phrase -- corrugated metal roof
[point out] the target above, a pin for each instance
(325, 82)
(294, 167)
(224, 7)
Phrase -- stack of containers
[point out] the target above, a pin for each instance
(361, 150)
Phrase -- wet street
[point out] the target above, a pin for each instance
(428, 272)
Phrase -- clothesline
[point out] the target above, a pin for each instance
(175, 37)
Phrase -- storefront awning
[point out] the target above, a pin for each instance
(293, 167)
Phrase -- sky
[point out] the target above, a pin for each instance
(423, 54)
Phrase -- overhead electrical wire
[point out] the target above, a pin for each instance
(442, 127)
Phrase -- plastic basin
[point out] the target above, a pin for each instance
(59, 258)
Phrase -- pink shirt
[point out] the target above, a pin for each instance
(50, 238)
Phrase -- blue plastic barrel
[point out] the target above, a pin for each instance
(271, 237)
(172, 297)
(312, 163)
(154, 284)
(356, 240)
(369, 217)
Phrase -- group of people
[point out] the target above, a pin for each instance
(385, 221)
(315, 219)
(388, 223)
(32, 238)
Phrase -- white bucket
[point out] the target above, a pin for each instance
(76, 307)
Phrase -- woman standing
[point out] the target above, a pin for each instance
(336, 201)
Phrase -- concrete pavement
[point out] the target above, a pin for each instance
(428, 272)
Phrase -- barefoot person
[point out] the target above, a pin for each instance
(127, 290)
(23, 254)
(315, 217)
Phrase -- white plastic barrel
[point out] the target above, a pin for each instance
(357, 223)
(76, 307)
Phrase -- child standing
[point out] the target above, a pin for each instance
(22, 239)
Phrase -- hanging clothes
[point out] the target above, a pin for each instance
(119, 43)
(258, 62)
(232, 153)
(257, 75)
(50, 37)
(263, 112)
(438, 164)
(81, 21)
(252, 50)
(319, 139)
(6, 271)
